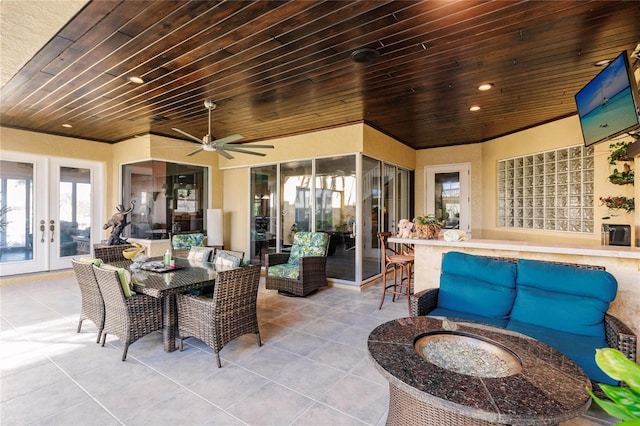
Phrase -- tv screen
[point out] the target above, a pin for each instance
(608, 105)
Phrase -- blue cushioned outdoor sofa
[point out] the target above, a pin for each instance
(562, 305)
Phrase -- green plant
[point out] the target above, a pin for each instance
(618, 152)
(622, 178)
(625, 203)
(427, 220)
(624, 402)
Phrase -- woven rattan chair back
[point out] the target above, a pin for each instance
(92, 303)
(230, 314)
(129, 318)
(110, 254)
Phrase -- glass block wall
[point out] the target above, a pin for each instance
(550, 190)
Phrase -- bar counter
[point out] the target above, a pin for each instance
(622, 262)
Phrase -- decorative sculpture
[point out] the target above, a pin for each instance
(118, 221)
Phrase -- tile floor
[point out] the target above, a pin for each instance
(313, 368)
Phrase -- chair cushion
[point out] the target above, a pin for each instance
(477, 285)
(182, 241)
(546, 290)
(199, 254)
(308, 244)
(285, 270)
(226, 260)
(579, 348)
(94, 260)
(125, 279)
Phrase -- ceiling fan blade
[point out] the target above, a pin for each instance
(194, 152)
(227, 139)
(243, 151)
(224, 153)
(249, 145)
(187, 135)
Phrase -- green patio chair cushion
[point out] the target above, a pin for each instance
(184, 241)
(308, 244)
(285, 270)
(125, 279)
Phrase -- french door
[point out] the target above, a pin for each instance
(50, 211)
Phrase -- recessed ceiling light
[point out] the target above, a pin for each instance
(136, 80)
(602, 63)
(67, 125)
(475, 108)
(486, 86)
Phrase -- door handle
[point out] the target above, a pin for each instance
(42, 229)
(52, 227)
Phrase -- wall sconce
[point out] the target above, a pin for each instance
(215, 227)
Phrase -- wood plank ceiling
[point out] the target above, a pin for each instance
(278, 68)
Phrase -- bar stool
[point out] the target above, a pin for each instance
(401, 263)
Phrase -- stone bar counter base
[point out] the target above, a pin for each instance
(549, 388)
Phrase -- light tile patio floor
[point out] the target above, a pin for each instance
(313, 368)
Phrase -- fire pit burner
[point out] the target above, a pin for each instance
(467, 354)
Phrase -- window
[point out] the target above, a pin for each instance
(551, 190)
(168, 198)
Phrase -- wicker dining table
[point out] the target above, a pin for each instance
(165, 286)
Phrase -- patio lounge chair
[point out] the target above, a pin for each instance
(304, 269)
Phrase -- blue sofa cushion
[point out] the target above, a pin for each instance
(580, 349)
(442, 312)
(563, 298)
(477, 285)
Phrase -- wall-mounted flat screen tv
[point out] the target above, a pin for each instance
(608, 104)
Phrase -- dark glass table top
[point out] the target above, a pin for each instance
(187, 276)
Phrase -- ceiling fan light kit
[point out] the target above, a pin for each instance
(220, 146)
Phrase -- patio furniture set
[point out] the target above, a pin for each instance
(130, 301)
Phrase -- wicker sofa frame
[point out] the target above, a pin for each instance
(92, 302)
(230, 314)
(129, 318)
(617, 334)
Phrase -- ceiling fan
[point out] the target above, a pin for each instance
(222, 145)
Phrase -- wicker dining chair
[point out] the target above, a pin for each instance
(129, 318)
(92, 303)
(230, 314)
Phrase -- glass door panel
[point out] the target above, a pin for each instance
(74, 212)
(263, 212)
(371, 216)
(336, 200)
(296, 205)
(17, 214)
(388, 211)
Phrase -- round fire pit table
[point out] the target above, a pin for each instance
(443, 372)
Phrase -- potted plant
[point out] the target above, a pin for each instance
(622, 178)
(625, 203)
(619, 152)
(624, 402)
(427, 227)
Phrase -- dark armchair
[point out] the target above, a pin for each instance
(303, 270)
